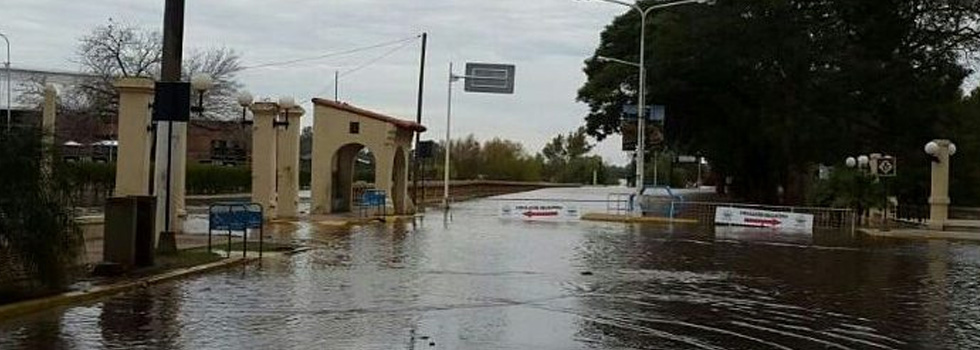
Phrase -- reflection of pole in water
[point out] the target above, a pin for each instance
(937, 292)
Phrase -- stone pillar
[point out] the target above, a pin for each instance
(287, 164)
(264, 156)
(133, 153)
(939, 195)
(384, 168)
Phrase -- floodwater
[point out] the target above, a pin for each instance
(481, 282)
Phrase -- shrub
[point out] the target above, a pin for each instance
(214, 179)
(39, 240)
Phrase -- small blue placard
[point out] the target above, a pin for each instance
(234, 216)
(373, 198)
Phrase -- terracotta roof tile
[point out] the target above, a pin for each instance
(400, 123)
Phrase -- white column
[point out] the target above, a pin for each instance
(133, 161)
(939, 194)
(287, 165)
(264, 156)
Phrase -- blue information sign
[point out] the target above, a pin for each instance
(234, 216)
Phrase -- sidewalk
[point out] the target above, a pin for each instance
(93, 233)
(917, 233)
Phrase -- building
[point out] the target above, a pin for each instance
(219, 142)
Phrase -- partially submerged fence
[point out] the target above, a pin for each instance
(704, 212)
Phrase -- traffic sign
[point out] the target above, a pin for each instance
(490, 78)
(887, 166)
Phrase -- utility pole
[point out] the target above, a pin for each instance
(336, 86)
(170, 67)
(418, 135)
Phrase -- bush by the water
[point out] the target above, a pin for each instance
(214, 179)
(39, 241)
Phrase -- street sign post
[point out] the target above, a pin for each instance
(479, 77)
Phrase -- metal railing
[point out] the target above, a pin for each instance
(619, 203)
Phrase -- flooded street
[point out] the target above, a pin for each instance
(481, 282)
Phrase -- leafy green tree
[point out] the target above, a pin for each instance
(565, 159)
(767, 88)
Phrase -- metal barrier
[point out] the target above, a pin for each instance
(372, 199)
(704, 213)
(619, 203)
(236, 216)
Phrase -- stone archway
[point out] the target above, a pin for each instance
(399, 178)
(344, 174)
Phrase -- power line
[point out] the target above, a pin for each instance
(404, 41)
(376, 59)
(369, 62)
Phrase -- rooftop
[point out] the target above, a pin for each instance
(400, 123)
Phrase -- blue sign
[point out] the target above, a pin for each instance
(373, 198)
(234, 216)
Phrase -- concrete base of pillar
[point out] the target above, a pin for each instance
(167, 243)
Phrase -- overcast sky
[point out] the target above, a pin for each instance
(546, 39)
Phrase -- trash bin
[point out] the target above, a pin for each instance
(128, 233)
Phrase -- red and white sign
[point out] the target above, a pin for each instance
(764, 218)
(539, 212)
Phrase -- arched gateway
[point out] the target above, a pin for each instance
(340, 131)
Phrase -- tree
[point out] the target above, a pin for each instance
(506, 160)
(565, 158)
(767, 88)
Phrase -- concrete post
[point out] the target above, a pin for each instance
(178, 195)
(287, 164)
(133, 160)
(939, 195)
(264, 156)
(50, 111)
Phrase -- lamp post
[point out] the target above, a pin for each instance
(201, 83)
(245, 99)
(6, 66)
(940, 151)
(641, 122)
(285, 104)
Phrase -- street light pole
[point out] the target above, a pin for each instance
(641, 120)
(6, 66)
(449, 114)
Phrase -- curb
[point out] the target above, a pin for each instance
(635, 219)
(74, 297)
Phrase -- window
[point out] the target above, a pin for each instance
(355, 127)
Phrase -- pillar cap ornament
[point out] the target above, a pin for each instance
(135, 84)
(264, 108)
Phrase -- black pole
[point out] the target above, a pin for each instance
(418, 119)
(173, 42)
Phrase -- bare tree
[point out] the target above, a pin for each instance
(222, 64)
(114, 51)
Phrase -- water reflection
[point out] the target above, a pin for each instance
(479, 282)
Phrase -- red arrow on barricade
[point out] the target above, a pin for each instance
(764, 222)
(532, 213)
